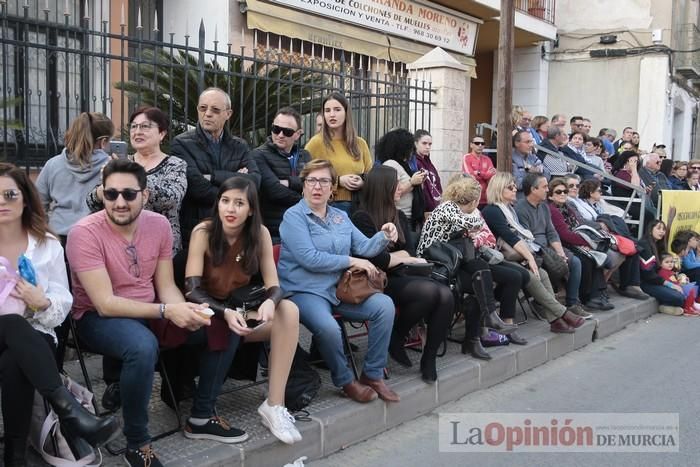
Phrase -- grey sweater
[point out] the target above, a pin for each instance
(63, 187)
(537, 220)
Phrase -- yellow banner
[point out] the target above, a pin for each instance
(680, 210)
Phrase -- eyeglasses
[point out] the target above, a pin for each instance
(134, 268)
(11, 195)
(142, 126)
(324, 182)
(598, 190)
(204, 108)
(512, 187)
(695, 167)
(288, 132)
(573, 185)
(478, 143)
(129, 194)
(561, 192)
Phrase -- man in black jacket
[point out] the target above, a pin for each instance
(213, 155)
(280, 160)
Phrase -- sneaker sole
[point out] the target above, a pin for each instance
(221, 439)
(268, 425)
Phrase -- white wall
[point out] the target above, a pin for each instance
(605, 14)
(682, 107)
(652, 100)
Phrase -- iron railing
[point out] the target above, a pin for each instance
(52, 71)
(542, 9)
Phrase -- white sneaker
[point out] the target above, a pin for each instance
(279, 422)
(671, 310)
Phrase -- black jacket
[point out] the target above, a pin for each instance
(274, 166)
(193, 147)
(649, 265)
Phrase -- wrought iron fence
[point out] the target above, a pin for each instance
(52, 70)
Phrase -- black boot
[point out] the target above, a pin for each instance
(397, 350)
(473, 347)
(428, 369)
(483, 290)
(77, 422)
(15, 452)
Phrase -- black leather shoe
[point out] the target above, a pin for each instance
(515, 338)
(493, 321)
(397, 351)
(474, 348)
(77, 422)
(428, 369)
(112, 397)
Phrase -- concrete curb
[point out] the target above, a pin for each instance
(333, 429)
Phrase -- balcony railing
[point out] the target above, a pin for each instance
(687, 64)
(542, 9)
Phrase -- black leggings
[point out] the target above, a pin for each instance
(510, 279)
(419, 298)
(27, 362)
(592, 279)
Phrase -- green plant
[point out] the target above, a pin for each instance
(257, 89)
(10, 104)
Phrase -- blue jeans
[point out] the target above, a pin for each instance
(665, 295)
(315, 313)
(572, 285)
(132, 342)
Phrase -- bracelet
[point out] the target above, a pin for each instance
(161, 308)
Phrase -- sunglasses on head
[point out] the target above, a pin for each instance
(288, 132)
(478, 143)
(561, 192)
(129, 194)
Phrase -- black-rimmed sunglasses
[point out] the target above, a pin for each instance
(129, 194)
(478, 143)
(288, 132)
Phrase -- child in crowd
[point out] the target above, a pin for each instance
(680, 282)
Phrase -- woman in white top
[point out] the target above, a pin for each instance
(394, 150)
(37, 303)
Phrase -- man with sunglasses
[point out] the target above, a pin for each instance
(213, 155)
(478, 165)
(280, 160)
(123, 286)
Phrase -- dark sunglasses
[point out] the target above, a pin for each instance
(129, 194)
(573, 185)
(288, 132)
(560, 192)
(11, 195)
(695, 167)
(478, 143)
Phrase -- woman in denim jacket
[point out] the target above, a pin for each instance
(318, 244)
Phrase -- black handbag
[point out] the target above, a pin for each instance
(411, 270)
(446, 260)
(248, 297)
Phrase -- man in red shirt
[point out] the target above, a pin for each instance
(478, 165)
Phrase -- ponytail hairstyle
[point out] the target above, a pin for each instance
(84, 134)
(349, 136)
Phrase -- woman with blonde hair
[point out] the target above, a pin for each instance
(457, 217)
(503, 222)
(338, 143)
(67, 178)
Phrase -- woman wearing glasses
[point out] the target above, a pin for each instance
(166, 176)
(338, 143)
(224, 253)
(516, 241)
(319, 243)
(67, 178)
(28, 317)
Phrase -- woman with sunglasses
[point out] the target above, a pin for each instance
(28, 316)
(515, 242)
(66, 179)
(224, 253)
(416, 297)
(166, 176)
(340, 144)
(280, 160)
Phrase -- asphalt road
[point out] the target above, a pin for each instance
(652, 366)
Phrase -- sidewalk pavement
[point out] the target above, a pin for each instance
(335, 422)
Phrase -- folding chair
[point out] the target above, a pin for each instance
(164, 376)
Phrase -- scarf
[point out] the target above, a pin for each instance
(514, 223)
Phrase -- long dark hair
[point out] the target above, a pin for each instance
(657, 246)
(396, 145)
(349, 134)
(251, 233)
(33, 217)
(377, 198)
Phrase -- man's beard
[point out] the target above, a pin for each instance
(125, 221)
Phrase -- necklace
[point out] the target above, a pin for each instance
(239, 257)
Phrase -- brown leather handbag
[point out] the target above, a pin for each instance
(355, 285)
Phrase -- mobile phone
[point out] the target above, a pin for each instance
(118, 147)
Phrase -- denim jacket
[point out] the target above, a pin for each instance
(315, 252)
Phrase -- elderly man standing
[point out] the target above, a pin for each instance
(523, 159)
(213, 155)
